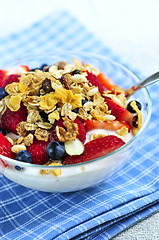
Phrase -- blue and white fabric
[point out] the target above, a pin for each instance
(102, 211)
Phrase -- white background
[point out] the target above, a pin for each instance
(129, 27)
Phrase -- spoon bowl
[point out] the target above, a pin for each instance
(150, 80)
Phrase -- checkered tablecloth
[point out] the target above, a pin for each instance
(99, 212)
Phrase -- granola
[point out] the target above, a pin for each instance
(64, 91)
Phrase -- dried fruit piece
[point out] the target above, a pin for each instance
(46, 85)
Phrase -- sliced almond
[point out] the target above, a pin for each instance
(74, 147)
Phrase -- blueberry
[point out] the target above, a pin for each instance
(33, 69)
(24, 156)
(75, 110)
(55, 150)
(18, 168)
(130, 109)
(43, 66)
(76, 71)
(84, 101)
(3, 93)
(3, 131)
(135, 121)
(44, 116)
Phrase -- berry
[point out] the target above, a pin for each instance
(18, 168)
(76, 71)
(43, 66)
(130, 109)
(107, 125)
(55, 150)
(135, 121)
(75, 110)
(119, 112)
(23, 156)
(95, 149)
(94, 80)
(81, 130)
(106, 81)
(58, 123)
(3, 93)
(84, 101)
(10, 79)
(3, 74)
(3, 132)
(10, 119)
(38, 152)
(44, 116)
(5, 147)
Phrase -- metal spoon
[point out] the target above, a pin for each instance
(152, 79)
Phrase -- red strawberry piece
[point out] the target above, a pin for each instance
(10, 119)
(94, 80)
(81, 130)
(3, 75)
(38, 151)
(107, 125)
(119, 112)
(95, 149)
(13, 70)
(17, 69)
(10, 79)
(59, 123)
(106, 81)
(5, 147)
(25, 68)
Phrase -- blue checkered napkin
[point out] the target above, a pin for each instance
(99, 212)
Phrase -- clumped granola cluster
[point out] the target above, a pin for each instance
(56, 92)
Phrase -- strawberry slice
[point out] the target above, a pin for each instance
(119, 112)
(105, 81)
(38, 151)
(81, 130)
(10, 119)
(95, 149)
(3, 75)
(112, 125)
(14, 70)
(18, 69)
(10, 79)
(5, 147)
(94, 80)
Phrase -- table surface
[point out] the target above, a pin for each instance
(129, 28)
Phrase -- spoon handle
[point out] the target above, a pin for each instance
(152, 79)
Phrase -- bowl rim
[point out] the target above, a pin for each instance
(101, 57)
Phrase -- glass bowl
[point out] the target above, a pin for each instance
(83, 175)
